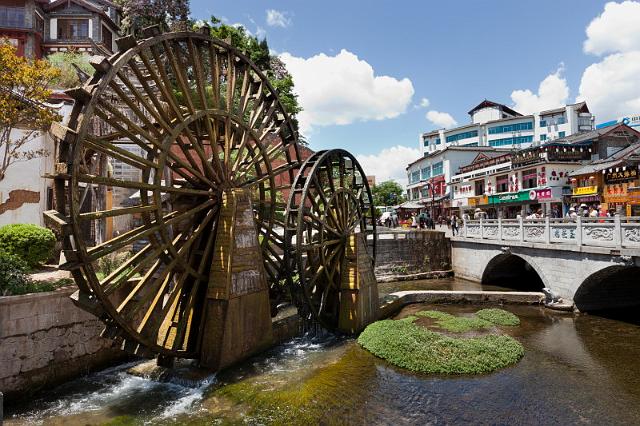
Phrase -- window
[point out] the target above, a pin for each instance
(425, 142)
(12, 17)
(415, 177)
(479, 187)
(437, 169)
(107, 38)
(561, 120)
(459, 136)
(511, 128)
(424, 192)
(518, 140)
(529, 179)
(437, 141)
(543, 123)
(426, 173)
(561, 134)
(502, 183)
(73, 29)
(543, 138)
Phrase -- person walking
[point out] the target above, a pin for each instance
(454, 225)
(414, 221)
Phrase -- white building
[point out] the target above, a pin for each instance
(429, 175)
(497, 125)
(24, 193)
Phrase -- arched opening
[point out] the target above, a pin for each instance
(513, 272)
(613, 292)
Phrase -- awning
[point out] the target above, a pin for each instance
(411, 205)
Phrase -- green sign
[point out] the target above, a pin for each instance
(510, 197)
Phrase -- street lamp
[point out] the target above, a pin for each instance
(430, 187)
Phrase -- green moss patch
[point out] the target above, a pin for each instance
(453, 323)
(416, 348)
(498, 317)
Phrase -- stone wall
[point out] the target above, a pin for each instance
(45, 339)
(412, 253)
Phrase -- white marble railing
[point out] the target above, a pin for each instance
(617, 232)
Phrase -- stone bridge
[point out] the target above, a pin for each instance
(594, 262)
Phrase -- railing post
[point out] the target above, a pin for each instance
(617, 231)
(500, 228)
(521, 229)
(547, 230)
(579, 230)
(481, 229)
(464, 224)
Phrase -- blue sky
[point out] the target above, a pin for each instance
(453, 53)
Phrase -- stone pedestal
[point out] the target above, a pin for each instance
(237, 320)
(359, 292)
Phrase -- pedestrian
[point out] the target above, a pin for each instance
(454, 225)
(572, 216)
(414, 221)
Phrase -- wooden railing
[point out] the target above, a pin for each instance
(615, 232)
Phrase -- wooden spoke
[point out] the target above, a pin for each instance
(181, 118)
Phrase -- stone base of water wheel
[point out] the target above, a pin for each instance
(359, 302)
(237, 320)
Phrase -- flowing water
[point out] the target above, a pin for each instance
(576, 369)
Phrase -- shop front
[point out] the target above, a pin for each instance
(618, 189)
(587, 195)
(522, 203)
(633, 206)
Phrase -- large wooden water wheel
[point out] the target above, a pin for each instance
(330, 201)
(188, 117)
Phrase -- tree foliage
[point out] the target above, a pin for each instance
(68, 63)
(258, 52)
(24, 89)
(170, 15)
(388, 193)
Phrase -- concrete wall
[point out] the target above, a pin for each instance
(563, 271)
(413, 252)
(45, 339)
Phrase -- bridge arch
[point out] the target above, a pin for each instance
(513, 271)
(614, 288)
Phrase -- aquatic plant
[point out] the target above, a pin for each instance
(416, 348)
(498, 317)
(455, 324)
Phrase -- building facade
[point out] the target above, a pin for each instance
(40, 27)
(496, 125)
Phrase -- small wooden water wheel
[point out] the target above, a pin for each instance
(330, 202)
(189, 117)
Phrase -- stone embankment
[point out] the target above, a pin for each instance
(45, 339)
(402, 255)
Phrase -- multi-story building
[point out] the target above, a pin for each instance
(550, 177)
(428, 176)
(22, 23)
(496, 125)
(632, 120)
(38, 27)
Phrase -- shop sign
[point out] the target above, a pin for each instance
(585, 190)
(473, 201)
(621, 176)
(634, 194)
(509, 197)
(540, 194)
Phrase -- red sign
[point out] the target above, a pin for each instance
(540, 194)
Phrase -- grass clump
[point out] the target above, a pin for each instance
(498, 317)
(416, 348)
(455, 324)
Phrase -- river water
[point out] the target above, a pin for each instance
(577, 369)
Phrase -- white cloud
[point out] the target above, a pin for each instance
(612, 87)
(553, 92)
(390, 163)
(342, 89)
(424, 102)
(441, 119)
(276, 18)
(615, 30)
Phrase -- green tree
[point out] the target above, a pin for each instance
(271, 65)
(170, 15)
(387, 193)
(24, 90)
(69, 63)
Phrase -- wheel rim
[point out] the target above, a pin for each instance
(201, 119)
